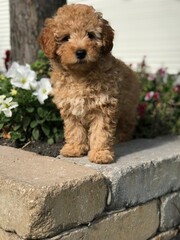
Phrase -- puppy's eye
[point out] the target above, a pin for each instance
(60, 40)
(65, 38)
(91, 35)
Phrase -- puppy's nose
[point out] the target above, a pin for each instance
(81, 53)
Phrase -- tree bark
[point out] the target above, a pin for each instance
(26, 20)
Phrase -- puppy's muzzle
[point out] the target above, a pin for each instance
(81, 54)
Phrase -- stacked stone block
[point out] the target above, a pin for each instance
(135, 198)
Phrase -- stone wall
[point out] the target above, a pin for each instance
(135, 198)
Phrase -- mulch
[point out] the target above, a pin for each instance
(39, 147)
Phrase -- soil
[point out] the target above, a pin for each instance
(39, 147)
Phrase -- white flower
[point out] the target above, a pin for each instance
(43, 89)
(22, 76)
(6, 104)
(2, 97)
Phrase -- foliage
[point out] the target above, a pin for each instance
(41, 66)
(159, 108)
(26, 111)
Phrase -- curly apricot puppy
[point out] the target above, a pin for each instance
(97, 94)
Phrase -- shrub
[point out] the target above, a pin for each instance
(159, 108)
(26, 111)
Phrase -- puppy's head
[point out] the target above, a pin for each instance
(77, 36)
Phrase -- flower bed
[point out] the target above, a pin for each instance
(159, 108)
(27, 112)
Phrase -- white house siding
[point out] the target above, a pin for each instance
(144, 28)
(4, 31)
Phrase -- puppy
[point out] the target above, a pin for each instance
(97, 95)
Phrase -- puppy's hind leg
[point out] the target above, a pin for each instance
(76, 138)
(125, 129)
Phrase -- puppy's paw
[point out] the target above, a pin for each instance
(101, 156)
(72, 150)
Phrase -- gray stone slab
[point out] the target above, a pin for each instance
(42, 196)
(170, 211)
(144, 169)
(138, 223)
(168, 235)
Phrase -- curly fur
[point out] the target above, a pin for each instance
(97, 94)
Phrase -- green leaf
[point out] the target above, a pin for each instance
(50, 141)
(30, 109)
(55, 130)
(22, 139)
(46, 130)
(40, 112)
(15, 135)
(26, 123)
(16, 127)
(34, 124)
(35, 133)
(41, 121)
(1, 125)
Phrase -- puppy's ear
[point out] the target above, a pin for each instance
(107, 37)
(46, 39)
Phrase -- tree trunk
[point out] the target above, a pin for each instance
(26, 20)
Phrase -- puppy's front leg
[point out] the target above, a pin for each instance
(76, 138)
(101, 138)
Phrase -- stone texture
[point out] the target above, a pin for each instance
(8, 236)
(138, 223)
(169, 235)
(144, 169)
(42, 196)
(170, 211)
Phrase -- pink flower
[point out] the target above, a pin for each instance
(162, 71)
(149, 96)
(177, 89)
(152, 95)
